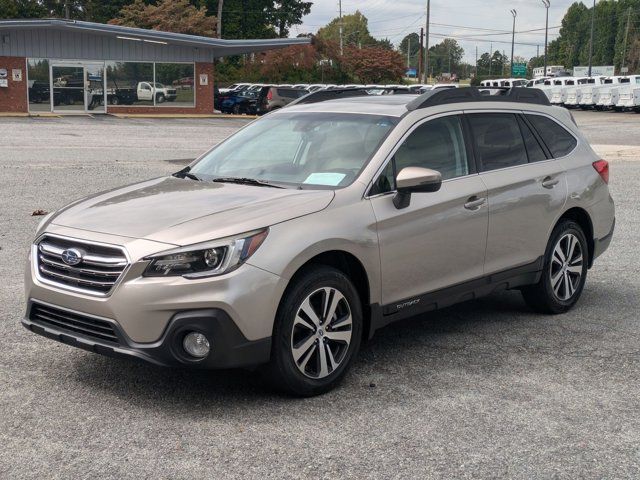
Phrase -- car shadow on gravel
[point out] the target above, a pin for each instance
(448, 336)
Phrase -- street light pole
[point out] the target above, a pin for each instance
(513, 37)
(547, 4)
(593, 21)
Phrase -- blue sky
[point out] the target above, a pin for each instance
(482, 20)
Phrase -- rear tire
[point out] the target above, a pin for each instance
(317, 333)
(564, 273)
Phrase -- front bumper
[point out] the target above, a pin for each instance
(143, 307)
(229, 347)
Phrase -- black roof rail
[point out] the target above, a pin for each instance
(330, 94)
(479, 94)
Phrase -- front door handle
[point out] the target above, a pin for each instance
(475, 203)
(550, 182)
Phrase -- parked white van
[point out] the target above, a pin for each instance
(590, 92)
(609, 93)
(574, 92)
(513, 82)
(558, 93)
(629, 94)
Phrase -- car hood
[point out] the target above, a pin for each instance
(184, 212)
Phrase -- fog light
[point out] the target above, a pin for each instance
(196, 344)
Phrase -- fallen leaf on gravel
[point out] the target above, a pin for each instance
(39, 213)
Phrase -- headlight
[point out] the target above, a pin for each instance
(206, 259)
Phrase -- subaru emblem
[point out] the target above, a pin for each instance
(72, 256)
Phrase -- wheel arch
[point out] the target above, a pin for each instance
(582, 218)
(353, 268)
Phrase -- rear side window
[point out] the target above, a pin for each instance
(558, 140)
(498, 140)
(534, 150)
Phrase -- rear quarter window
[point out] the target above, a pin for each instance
(558, 140)
(498, 140)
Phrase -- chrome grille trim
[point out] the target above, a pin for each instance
(102, 265)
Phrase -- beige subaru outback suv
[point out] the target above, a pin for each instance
(294, 240)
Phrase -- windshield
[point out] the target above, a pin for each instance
(159, 85)
(305, 150)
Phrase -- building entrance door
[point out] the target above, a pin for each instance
(77, 87)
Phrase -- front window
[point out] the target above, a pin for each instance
(304, 150)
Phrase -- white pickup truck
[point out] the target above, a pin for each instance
(629, 94)
(148, 90)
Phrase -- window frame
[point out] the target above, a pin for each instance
(471, 159)
(542, 142)
(523, 123)
(477, 156)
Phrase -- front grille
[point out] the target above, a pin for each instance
(73, 322)
(98, 271)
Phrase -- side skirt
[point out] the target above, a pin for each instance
(529, 274)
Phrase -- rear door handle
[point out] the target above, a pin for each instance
(550, 182)
(474, 203)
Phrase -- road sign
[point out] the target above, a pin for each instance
(519, 70)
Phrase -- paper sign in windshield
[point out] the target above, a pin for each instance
(328, 179)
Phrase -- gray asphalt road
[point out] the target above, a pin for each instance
(486, 389)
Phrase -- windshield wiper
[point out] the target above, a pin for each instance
(245, 181)
(186, 173)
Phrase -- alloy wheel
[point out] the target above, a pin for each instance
(566, 267)
(322, 332)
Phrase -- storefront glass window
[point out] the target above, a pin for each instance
(39, 85)
(130, 83)
(175, 84)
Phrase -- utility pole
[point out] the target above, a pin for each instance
(504, 64)
(476, 61)
(66, 10)
(626, 37)
(408, 52)
(220, 5)
(490, 58)
(426, 50)
(341, 28)
(547, 4)
(421, 53)
(593, 21)
(513, 38)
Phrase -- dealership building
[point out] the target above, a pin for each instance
(69, 66)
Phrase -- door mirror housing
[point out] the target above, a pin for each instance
(415, 180)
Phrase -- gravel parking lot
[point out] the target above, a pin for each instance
(486, 389)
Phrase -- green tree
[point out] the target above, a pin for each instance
(445, 57)
(286, 13)
(21, 9)
(355, 31)
(411, 45)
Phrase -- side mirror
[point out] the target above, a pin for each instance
(415, 180)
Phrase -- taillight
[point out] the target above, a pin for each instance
(602, 167)
(270, 95)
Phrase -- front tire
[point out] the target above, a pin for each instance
(564, 273)
(317, 333)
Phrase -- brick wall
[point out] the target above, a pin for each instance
(14, 97)
(204, 98)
